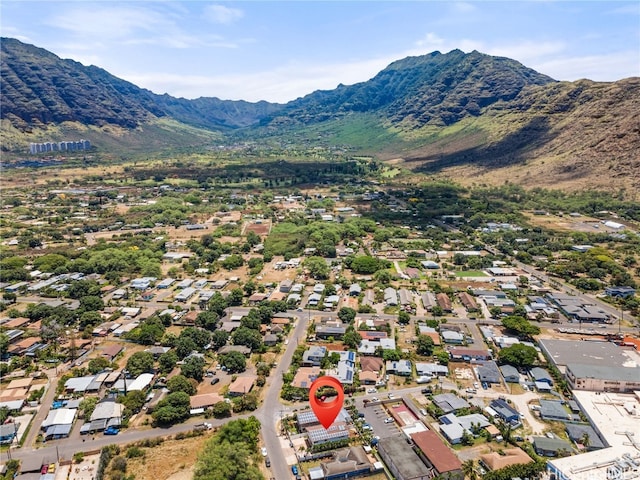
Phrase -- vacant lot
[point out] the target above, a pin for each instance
(172, 460)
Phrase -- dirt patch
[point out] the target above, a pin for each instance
(262, 229)
(173, 460)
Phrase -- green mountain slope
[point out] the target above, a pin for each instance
(39, 88)
(472, 117)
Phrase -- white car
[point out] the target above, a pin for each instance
(372, 390)
(389, 420)
(263, 451)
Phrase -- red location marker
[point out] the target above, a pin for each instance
(326, 412)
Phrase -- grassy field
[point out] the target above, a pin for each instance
(471, 273)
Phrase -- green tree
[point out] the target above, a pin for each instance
(424, 345)
(248, 337)
(208, 320)
(193, 367)
(167, 361)
(87, 405)
(347, 314)
(351, 338)
(232, 262)
(221, 410)
(140, 362)
(318, 267)
(180, 383)
(91, 303)
(133, 401)
(518, 355)
(97, 365)
(404, 318)
(219, 338)
(235, 362)
(4, 344)
(521, 326)
(174, 408)
(365, 265)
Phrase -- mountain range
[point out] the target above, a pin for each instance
(469, 116)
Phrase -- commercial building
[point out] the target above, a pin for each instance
(588, 352)
(403, 463)
(602, 378)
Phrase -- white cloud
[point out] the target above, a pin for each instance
(602, 68)
(463, 7)
(222, 14)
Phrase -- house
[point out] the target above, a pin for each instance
(552, 447)
(453, 428)
(449, 402)
(468, 302)
(620, 292)
(554, 410)
(451, 337)
(312, 357)
(431, 369)
(111, 351)
(305, 376)
(444, 302)
(246, 351)
(428, 301)
(507, 457)
(345, 463)
(8, 432)
(541, 375)
(391, 297)
(205, 400)
(584, 436)
(355, 290)
(510, 374)
(285, 285)
(400, 367)
(326, 332)
(318, 435)
(469, 354)
(241, 386)
(270, 339)
(505, 411)
(437, 455)
(371, 364)
(489, 372)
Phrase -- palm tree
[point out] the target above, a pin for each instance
(468, 468)
(585, 439)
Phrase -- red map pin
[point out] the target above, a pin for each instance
(326, 412)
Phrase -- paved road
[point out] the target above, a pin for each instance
(272, 409)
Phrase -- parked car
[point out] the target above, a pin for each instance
(214, 380)
(267, 462)
(426, 391)
(389, 420)
(111, 431)
(263, 450)
(294, 469)
(372, 390)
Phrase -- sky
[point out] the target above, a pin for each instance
(281, 50)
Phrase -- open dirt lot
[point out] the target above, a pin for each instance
(173, 460)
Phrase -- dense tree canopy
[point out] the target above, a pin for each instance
(518, 355)
(140, 362)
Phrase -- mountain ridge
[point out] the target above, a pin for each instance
(465, 115)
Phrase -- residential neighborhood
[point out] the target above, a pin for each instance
(456, 357)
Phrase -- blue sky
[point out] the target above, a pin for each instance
(278, 51)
